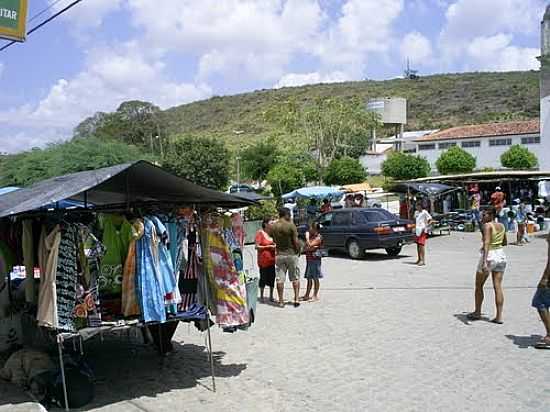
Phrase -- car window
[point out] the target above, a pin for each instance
(326, 219)
(343, 218)
(377, 215)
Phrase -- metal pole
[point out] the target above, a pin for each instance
(209, 335)
(62, 367)
(238, 173)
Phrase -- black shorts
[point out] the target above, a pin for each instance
(267, 277)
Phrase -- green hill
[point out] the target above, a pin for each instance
(436, 101)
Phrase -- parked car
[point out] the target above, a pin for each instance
(356, 230)
(240, 188)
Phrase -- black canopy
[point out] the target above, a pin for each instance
(429, 189)
(130, 183)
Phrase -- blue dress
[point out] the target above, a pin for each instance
(149, 283)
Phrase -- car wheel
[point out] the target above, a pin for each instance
(394, 251)
(354, 250)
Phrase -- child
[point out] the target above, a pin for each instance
(313, 274)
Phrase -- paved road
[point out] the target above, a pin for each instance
(386, 336)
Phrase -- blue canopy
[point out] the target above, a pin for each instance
(314, 192)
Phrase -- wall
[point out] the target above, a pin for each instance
(489, 156)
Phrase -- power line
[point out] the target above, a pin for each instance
(37, 15)
(60, 12)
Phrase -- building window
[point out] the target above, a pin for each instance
(426, 146)
(500, 142)
(446, 145)
(410, 150)
(530, 140)
(473, 143)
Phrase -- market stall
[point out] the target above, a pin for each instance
(138, 248)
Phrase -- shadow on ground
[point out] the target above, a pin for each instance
(372, 256)
(126, 371)
(524, 342)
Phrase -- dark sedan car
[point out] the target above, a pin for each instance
(356, 230)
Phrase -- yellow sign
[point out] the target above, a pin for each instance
(13, 19)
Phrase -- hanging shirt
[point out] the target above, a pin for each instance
(117, 235)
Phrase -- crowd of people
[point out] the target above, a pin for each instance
(279, 250)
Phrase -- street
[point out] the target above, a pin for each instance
(387, 335)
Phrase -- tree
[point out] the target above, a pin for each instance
(134, 122)
(258, 159)
(518, 157)
(284, 177)
(58, 159)
(345, 171)
(330, 126)
(202, 160)
(455, 160)
(403, 166)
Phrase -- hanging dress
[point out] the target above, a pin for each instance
(230, 297)
(66, 278)
(47, 295)
(149, 286)
(130, 306)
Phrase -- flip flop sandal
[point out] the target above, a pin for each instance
(542, 345)
(296, 304)
(498, 322)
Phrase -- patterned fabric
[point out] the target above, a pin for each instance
(238, 228)
(189, 281)
(117, 235)
(130, 306)
(230, 291)
(67, 277)
(148, 278)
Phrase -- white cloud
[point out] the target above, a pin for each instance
(417, 48)
(231, 37)
(111, 76)
(470, 20)
(300, 79)
(364, 27)
(496, 53)
(87, 14)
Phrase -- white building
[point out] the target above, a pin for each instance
(544, 153)
(374, 158)
(486, 142)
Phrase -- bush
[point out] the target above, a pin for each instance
(455, 160)
(345, 171)
(202, 160)
(518, 157)
(401, 166)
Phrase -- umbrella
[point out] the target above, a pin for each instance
(314, 192)
(429, 189)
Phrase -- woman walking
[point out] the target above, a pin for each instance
(313, 273)
(423, 221)
(266, 259)
(492, 261)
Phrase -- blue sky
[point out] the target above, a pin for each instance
(170, 52)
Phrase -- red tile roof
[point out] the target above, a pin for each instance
(484, 130)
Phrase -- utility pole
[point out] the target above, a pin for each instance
(238, 159)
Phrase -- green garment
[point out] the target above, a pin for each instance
(284, 233)
(117, 235)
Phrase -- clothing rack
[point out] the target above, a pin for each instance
(62, 337)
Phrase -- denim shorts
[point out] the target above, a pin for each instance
(541, 300)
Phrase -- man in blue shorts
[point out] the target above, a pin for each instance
(541, 302)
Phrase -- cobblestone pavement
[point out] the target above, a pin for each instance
(386, 336)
